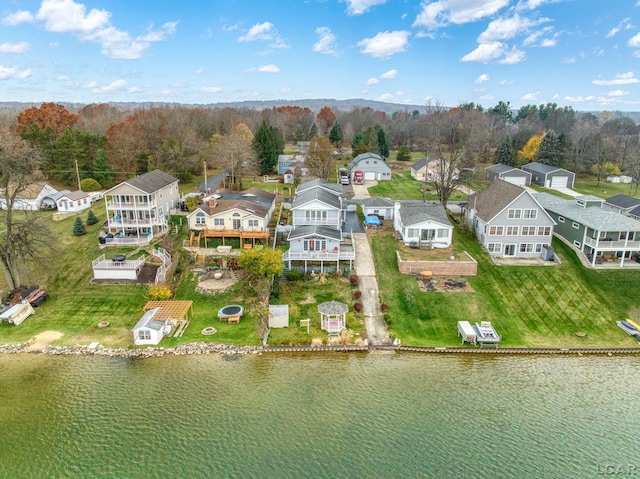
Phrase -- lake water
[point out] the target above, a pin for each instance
(319, 416)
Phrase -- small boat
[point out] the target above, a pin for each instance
(633, 323)
(627, 328)
(630, 325)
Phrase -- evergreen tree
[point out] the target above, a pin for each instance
(313, 131)
(335, 135)
(549, 151)
(79, 228)
(383, 147)
(92, 219)
(404, 153)
(102, 172)
(268, 143)
(358, 145)
(505, 153)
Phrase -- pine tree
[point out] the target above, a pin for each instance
(92, 219)
(268, 143)
(313, 131)
(506, 154)
(335, 135)
(102, 172)
(383, 147)
(404, 153)
(79, 228)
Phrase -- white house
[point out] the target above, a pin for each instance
(422, 224)
(149, 330)
(27, 198)
(73, 202)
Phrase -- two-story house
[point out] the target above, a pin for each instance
(316, 240)
(509, 222)
(139, 208)
(245, 215)
(597, 232)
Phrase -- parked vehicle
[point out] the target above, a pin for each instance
(343, 176)
(358, 177)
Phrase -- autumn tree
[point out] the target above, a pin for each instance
(24, 235)
(97, 118)
(234, 152)
(604, 169)
(325, 118)
(320, 158)
(51, 115)
(268, 143)
(529, 151)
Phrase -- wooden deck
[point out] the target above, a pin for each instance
(245, 235)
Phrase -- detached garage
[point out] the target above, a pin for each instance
(510, 174)
(550, 176)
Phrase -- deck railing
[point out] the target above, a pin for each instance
(318, 255)
(102, 263)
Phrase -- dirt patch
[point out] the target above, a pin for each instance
(44, 339)
(216, 281)
(452, 285)
(310, 299)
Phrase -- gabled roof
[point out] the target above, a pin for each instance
(75, 196)
(315, 230)
(147, 321)
(150, 182)
(366, 156)
(542, 168)
(29, 192)
(254, 195)
(500, 169)
(227, 205)
(418, 165)
(623, 201)
(415, 212)
(494, 198)
(58, 194)
(319, 183)
(319, 194)
(592, 216)
(376, 201)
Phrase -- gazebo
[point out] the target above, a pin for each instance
(333, 316)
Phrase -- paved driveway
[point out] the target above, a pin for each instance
(351, 223)
(567, 191)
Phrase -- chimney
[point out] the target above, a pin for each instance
(213, 202)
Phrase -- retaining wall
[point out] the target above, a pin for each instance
(439, 268)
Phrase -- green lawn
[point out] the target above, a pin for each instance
(588, 185)
(529, 306)
(404, 186)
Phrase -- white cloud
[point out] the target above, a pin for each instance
(21, 47)
(531, 96)
(444, 12)
(199, 71)
(62, 78)
(625, 24)
(634, 41)
(265, 32)
(481, 79)
(133, 89)
(385, 44)
(513, 56)
(389, 75)
(17, 18)
(263, 69)
(358, 7)
(506, 28)
(68, 16)
(90, 84)
(548, 42)
(111, 87)
(618, 93)
(485, 52)
(327, 43)
(385, 97)
(621, 79)
(372, 81)
(12, 72)
(505, 82)
(211, 89)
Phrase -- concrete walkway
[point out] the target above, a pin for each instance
(377, 331)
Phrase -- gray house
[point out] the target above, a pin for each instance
(599, 233)
(373, 166)
(375, 205)
(510, 174)
(550, 176)
(509, 222)
(625, 205)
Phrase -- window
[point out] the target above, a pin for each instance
(577, 244)
(575, 225)
(252, 223)
(315, 215)
(539, 247)
(512, 231)
(315, 245)
(218, 221)
(560, 219)
(160, 211)
(496, 230)
(528, 231)
(494, 247)
(544, 230)
(413, 232)
(526, 247)
(144, 335)
(443, 233)
(514, 214)
(530, 214)
(200, 220)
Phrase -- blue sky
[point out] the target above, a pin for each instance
(579, 53)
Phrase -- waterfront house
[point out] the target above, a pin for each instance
(625, 205)
(430, 168)
(549, 176)
(507, 173)
(422, 224)
(139, 208)
(317, 205)
(330, 187)
(598, 233)
(244, 215)
(508, 221)
(373, 166)
(27, 197)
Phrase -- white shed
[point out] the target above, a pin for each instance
(466, 332)
(17, 313)
(149, 330)
(278, 315)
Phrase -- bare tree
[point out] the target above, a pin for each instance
(320, 158)
(24, 235)
(234, 152)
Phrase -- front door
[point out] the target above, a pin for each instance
(509, 250)
(236, 224)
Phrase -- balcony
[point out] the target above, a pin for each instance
(119, 222)
(611, 245)
(130, 205)
(342, 255)
(242, 233)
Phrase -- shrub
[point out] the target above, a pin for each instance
(357, 307)
(387, 319)
(192, 202)
(357, 294)
(159, 293)
(294, 275)
(92, 219)
(275, 292)
(89, 184)
(78, 227)
(353, 279)
(384, 308)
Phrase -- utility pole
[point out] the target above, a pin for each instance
(78, 174)
(206, 185)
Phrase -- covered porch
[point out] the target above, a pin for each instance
(621, 247)
(247, 236)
